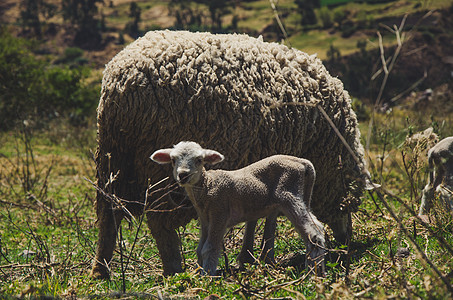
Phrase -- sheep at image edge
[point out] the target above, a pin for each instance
(246, 98)
(440, 177)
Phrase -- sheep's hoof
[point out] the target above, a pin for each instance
(245, 257)
(99, 273)
(268, 259)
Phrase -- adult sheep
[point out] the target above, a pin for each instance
(244, 97)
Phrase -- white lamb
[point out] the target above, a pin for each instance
(222, 199)
(440, 160)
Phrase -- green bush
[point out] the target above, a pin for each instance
(32, 89)
(325, 17)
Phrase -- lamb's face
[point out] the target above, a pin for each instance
(188, 161)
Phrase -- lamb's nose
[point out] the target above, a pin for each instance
(183, 177)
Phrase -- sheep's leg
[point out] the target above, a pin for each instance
(311, 230)
(245, 256)
(168, 242)
(108, 223)
(339, 226)
(267, 245)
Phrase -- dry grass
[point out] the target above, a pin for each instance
(48, 238)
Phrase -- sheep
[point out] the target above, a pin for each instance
(440, 164)
(225, 198)
(247, 98)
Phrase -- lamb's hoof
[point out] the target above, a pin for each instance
(99, 273)
(424, 218)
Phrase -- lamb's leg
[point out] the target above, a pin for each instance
(212, 247)
(311, 230)
(445, 194)
(108, 223)
(315, 245)
(202, 241)
(245, 256)
(267, 245)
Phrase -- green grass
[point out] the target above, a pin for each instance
(330, 2)
(59, 227)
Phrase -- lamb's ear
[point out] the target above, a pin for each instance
(161, 156)
(212, 157)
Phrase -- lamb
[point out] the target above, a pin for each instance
(440, 161)
(232, 92)
(225, 198)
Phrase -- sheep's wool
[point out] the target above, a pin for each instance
(244, 97)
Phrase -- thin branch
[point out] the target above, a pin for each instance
(279, 22)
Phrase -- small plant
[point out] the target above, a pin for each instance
(23, 178)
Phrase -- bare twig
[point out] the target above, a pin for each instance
(387, 67)
(279, 22)
(116, 201)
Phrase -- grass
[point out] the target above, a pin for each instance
(48, 238)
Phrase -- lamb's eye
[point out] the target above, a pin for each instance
(199, 160)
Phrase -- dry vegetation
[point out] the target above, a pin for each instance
(48, 228)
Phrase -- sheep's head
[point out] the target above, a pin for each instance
(188, 160)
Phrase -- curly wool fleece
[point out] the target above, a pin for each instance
(242, 96)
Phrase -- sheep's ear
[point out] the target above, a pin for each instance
(212, 157)
(161, 156)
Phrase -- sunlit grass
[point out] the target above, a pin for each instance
(47, 244)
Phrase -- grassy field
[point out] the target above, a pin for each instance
(48, 230)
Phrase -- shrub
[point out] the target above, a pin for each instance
(325, 17)
(339, 16)
(31, 89)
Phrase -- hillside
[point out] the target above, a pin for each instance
(350, 22)
(342, 29)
